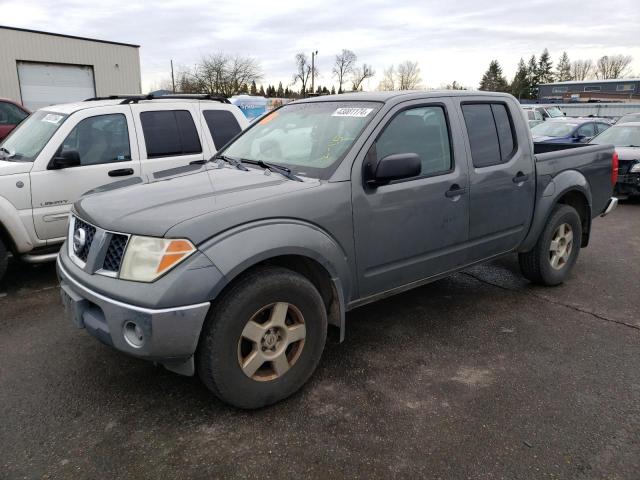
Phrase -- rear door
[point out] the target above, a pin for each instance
(170, 134)
(105, 141)
(414, 228)
(502, 183)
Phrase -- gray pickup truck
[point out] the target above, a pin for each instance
(233, 268)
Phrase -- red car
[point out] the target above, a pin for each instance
(11, 114)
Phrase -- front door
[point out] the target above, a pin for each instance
(415, 228)
(107, 148)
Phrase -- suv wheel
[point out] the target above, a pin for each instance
(263, 338)
(556, 251)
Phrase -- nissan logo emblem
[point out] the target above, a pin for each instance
(79, 240)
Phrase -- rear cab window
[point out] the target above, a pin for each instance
(169, 133)
(491, 133)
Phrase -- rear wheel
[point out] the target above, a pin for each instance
(555, 253)
(263, 338)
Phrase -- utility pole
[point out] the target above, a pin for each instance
(313, 69)
(173, 80)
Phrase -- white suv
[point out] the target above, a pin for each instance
(63, 151)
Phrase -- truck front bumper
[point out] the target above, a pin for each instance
(628, 184)
(168, 336)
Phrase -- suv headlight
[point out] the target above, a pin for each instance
(148, 258)
(635, 168)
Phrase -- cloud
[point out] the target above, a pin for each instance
(450, 40)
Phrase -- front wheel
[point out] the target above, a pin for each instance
(263, 338)
(557, 248)
(4, 259)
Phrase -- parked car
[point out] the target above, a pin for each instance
(629, 117)
(546, 112)
(568, 130)
(321, 206)
(534, 117)
(626, 138)
(11, 114)
(62, 151)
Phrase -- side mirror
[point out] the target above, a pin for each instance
(395, 167)
(70, 158)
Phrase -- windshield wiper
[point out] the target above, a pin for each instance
(5, 154)
(234, 162)
(284, 171)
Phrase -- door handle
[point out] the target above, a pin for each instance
(121, 172)
(455, 191)
(520, 177)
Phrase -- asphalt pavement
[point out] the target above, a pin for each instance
(480, 376)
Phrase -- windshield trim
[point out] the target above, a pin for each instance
(297, 169)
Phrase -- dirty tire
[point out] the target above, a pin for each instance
(218, 357)
(4, 259)
(536, 265)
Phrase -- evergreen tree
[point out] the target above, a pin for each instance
(244, 89)
(563, 69)
(319, 90)
(253, 90)
(325, 90)
(333, 90)
(520, 87)
(532, 77)
(493, 80)
(545, 68)
(287, 93)
(280, 92)
(261, 91)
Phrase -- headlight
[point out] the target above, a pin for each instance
(635, 168)
(147, 258)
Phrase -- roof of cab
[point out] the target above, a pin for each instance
(399, 95)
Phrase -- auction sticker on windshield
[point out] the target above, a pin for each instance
(52, 118)
(352, 112)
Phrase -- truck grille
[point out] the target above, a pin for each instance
(115, 252)
(90, 232)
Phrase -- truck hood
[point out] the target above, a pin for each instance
(153, 208)
(11, 168)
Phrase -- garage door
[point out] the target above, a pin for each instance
(44, 84)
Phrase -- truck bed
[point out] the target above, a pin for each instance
(593, 162)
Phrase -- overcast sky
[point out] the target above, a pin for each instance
(451, 40)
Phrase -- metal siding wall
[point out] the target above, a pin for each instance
(38, 47)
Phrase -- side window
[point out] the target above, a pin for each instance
(169, 132)
(587, 130)
(601, 127)
(10, 114)
(99, 139)
(490, 133)
(223, 126)
(421, 130)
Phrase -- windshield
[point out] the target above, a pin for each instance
(29, 138)
(554, 112)
(553, 129)
(633, 117)
(622, 136)
(309, 138)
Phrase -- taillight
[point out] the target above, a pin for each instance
(614, 169)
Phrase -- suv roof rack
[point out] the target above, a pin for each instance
(126, 99)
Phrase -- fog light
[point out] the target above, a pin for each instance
(133, 334)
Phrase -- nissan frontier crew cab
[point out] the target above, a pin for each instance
(235, 271)
(62, 151)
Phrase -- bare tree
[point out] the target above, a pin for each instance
(343, 66)
(581, 69)
(226, 75)
(408, 75)
(360, 74)
(614, 66)
(303, 71)
(388, 82)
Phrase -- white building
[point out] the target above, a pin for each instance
(39, 68)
